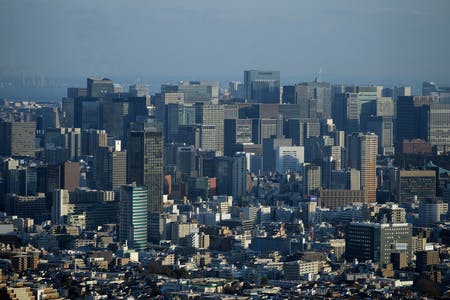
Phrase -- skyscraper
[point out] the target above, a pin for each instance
(110, 169)
(288, 94)
(289, 158)
(60, 207)
(369, 146)
(383, 127)
(185, 161)
(311, 180)
(301, 129)
(236, 131)
(346, 112)
(199, 91)
(412, 117)
(314, 99)
(145, 160)
(362, 155)
(230, 173)
(262, 86)
(99, 87)
(418, 184)
(138, 90)
(133, 216)
(17, 138)
(212, 114)
(91, 140)
(269, 151)
(439, 125)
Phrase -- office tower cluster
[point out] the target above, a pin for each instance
(253, 179)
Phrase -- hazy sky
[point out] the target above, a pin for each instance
(206, 39)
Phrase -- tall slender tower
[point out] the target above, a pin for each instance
(369, 146)
(133, 216)
(362, 154)
(145, 160)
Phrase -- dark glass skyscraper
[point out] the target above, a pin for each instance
(412, 117)
(145, 160)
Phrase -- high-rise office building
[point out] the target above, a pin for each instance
(401, 91)
(173, 119)
(269, 152)
(346, 112)
(145, 161)
(190, 135)
(362, 155)
(70, 177)
(262, 86)
(314, 99)
(349, 179)
(99, 87)
(412, 117)
(68, 117)
(418, 184)
(199, 91)
(288, 95)
(231, 175)
(176, 115)
(301, 129)
(69, 139)
(73, 92)
(138, 90)
(133, 216)
(223, 171)
(91, 140)
(236, 89)
(384, 107)
(212, 114)
(336, 154)
(289, 158)
(238, 176)
(383, 127)
(312, 180)
(17, 138)
(376, 242)
(264, 129)
(87, 112)
(208, 138)
(439, 125)
(110, 169)
(309, 211)
(236, 131)
(60, 207)
(369, 147)
(185, 162)
(431, 211)
(198, 187)
(334, 198)
(397, 92)
(426, 259)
